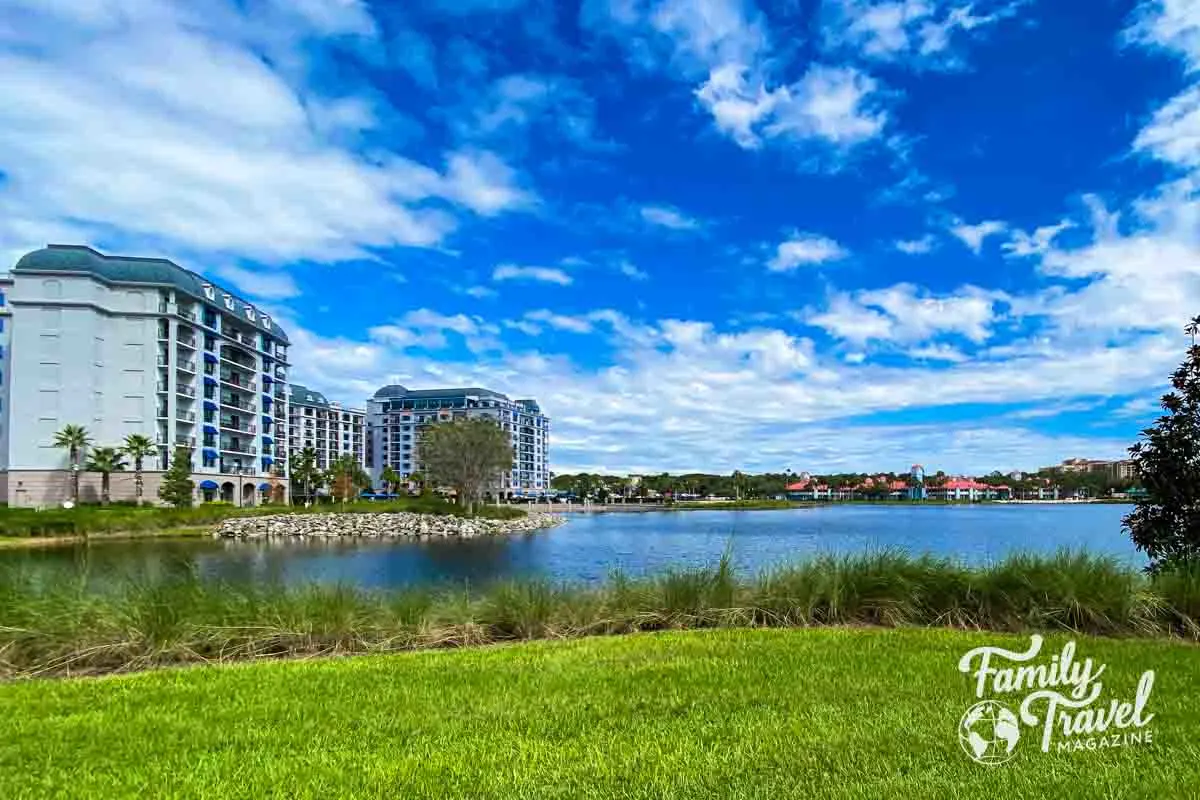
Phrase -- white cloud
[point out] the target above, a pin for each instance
(1170, 25)
(169, 126)
(905, 314)
(514, 272)
(1173, 135)
(631, 270)
(937, 352)
(829, 103)
(916, 32)
(914, 247)
(973, 236)
(1024, 244)
(803, 249)
(260, 283)
(560, 321)
(668, 217)
(479, 292)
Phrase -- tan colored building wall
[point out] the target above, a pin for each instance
(47, 488)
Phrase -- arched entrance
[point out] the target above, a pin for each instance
(227, 492)
(248, 494)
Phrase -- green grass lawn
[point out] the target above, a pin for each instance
(836, 712)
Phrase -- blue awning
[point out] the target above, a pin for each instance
(267, 421)
(267, 379)
(264, 487)
(209, 380)
(209, 405)
(268, 460)
(267, 439)
(266, 401)
(209, 429)
(208, 484)
(210, 358)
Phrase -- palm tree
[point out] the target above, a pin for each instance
(305, 472)
(346, 476)
(138, 447)
(390, 478)
(106, 461)
(418, 479)
(75, 439)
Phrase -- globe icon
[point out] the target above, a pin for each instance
(988, 732)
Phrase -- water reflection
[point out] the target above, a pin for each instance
(588, 548)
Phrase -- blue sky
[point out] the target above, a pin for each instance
(704, 234)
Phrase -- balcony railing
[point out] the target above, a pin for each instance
(160, 439)
(235, 380)
(185, 441)
(162, 413)
(163, 360)
(162, 387)
(245, 427)
(187, 314)
(229, 469)
(237, 336)
(186, 365)
(185, 416)
(187, 341)
(245, 449)
(228, 400)
(248, 368)
(186, 391)
(280, 373)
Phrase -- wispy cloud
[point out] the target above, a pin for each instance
(669, 217)
(514, 272)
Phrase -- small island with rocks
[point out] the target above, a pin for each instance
(396, 525)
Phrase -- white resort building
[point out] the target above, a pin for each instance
(330, 428)
(123, 345)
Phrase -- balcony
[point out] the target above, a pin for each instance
(239, 447)
(237, 380)
(230, 469)
(280, 373)
(162, 388)
(160, 439)
(186, 391)
(161, 413)
(230, 363)
(185, 441)
(232, 402)
(186, 313)
(239, 336)
(187, 341)
(185, 416)
(244, 427)
(163, 360)
(186, 365)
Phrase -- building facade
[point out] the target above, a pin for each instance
(329, 428)
(123, 345)
(397, 415)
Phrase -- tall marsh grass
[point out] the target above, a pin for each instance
(72, 623)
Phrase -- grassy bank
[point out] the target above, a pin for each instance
(848, 714)
(75, 623)
(86, 520)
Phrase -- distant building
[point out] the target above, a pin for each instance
(970, 490)
(331, 429)
(396, 416)
(1122, 469)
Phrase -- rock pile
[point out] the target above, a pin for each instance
(388, 525)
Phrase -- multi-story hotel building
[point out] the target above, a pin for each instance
(124, 345)
(331, 429)
(396, 417)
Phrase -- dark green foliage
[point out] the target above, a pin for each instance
(1166, 523)
(177, 484)
(467, 455)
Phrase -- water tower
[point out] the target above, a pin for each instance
(916, 483)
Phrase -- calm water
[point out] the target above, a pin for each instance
(589, 547)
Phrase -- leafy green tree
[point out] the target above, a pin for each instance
(75, 440)
(138, 447)
(177, 484)
(419, 479)
(391, 479)
(468, 455)
(1166, 522)
(106, 461)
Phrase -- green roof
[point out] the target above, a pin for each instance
(396, 391)
(130, 269)
(303, 396)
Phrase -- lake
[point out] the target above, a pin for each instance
(590, 546)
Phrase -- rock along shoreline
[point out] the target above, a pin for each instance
(395, 525)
